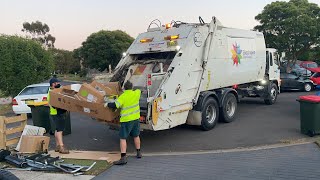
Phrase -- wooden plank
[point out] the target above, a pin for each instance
(23, 124)
(12, 141)
(10, 120)
(14, 130)
(2, 135)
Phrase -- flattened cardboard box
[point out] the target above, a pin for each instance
(63, 99)
(110, 88)
(97, 110)
(34, 144)
(90, 94)
(67, 99)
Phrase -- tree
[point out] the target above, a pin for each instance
(64, 62)
(103, 48)
(292, 27)
(22, 62)
(40, 32)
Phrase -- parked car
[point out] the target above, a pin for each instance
(295, 69)
(311, 66)
(35, 92)
(293, 82)
(316, 78)
(299, 71)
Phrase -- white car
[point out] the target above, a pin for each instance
(35, 92)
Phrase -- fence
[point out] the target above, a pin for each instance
(21, 122)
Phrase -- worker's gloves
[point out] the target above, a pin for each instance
(106, 104)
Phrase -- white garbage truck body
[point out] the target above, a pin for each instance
(195, 73)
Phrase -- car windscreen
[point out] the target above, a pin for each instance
(35, 90)
(316, 75)
(312, 65)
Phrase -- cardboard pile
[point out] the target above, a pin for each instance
(34, 144)
(89, 100)
(32, 140)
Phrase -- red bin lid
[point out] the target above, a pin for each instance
(311, 98)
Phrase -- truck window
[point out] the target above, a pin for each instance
(271, 61)
(276, 58)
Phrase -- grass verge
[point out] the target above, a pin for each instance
(98, 168)
(317, 141)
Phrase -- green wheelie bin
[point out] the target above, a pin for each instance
(310, 115)
(40, 113)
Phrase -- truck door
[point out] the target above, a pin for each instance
(274, 71)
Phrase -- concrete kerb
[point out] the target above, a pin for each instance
(113, 156)
(240, 149)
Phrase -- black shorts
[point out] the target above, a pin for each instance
(131, 128)
(59, 121)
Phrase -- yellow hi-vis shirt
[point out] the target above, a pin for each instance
(53, 111)
(129, 104)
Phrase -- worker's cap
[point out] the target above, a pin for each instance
(53, 80)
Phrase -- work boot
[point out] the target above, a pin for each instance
(63, 150)
(57, 148)
(122, 161)
(139, 154)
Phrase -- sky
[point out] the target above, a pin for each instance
(72, 21)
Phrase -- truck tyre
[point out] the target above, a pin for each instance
(229, 108)
(272, 94)
(307, 87)
(209, 114)
(6, 175)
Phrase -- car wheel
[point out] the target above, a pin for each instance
(272, 94)
(307, 87)
(229, 108)
(209, 114)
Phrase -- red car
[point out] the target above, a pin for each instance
(315, 78)
(311, 66)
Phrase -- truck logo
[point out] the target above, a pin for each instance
(197, 39)
(236, 54)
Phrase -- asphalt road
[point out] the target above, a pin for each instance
(256, 124)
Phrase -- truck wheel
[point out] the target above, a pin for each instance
(272, 94)
(6, 175)
(210, 114)
(307, 87)
(229, 108)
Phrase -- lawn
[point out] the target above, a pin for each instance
(72, 77)
(4, 109)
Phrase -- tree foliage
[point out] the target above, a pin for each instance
(64, 62)
(292, 27)
(40, 32)
(103, 48)
(22, 62)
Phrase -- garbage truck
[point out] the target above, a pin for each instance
(196, 73)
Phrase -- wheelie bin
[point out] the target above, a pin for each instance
(310, 115)
(40, 113)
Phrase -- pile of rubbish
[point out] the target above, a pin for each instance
(41, 162)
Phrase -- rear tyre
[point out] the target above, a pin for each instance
(307, 87)
(209, 114)
(272, 94)
(229, 108)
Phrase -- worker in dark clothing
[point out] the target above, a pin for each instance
(56, 115)
(128, 102)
